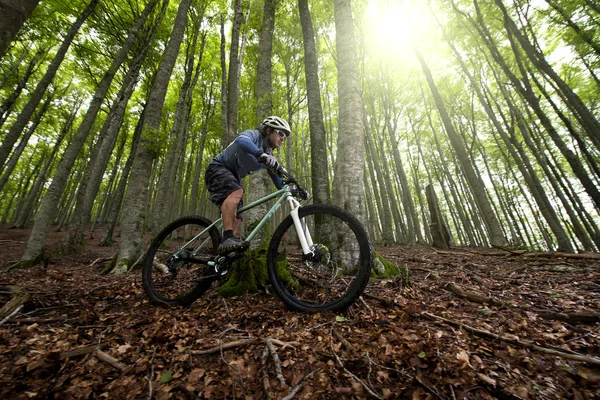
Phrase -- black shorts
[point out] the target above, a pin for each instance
(220, 183)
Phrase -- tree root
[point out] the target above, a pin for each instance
(14, 305)
(586, 318)
(518, 342)
(240, 343)
(475, 298)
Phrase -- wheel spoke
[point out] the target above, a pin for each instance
(185, 254)
(336, 272)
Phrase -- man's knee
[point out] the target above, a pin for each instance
(236, 196)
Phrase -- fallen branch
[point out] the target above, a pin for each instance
(97, 260)
(276, 361)
(149, 379)
(553, 254)
(14, 305)
(113, 362)
(298, 386)
(586, 318)
(577, 357)
(382, 300)
(236, 370)
(61, 355)
(240, 343)
(475, 298)
(341, 364)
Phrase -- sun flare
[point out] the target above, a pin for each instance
(394, 26)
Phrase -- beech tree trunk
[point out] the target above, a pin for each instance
(13, 14)
(136, 196)
(349, 168)
(102, 151)
(476, 185)
(260, 183)
(37, 239)
(233, 80)
(439, 230)
(318, 147)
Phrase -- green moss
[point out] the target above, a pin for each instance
(110, 265)
(27, 263)
(385, 269)
(290, 282)
(248, 274)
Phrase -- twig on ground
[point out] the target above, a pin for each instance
(238, 343)
(14, 312)
(366, 305)
(298, 386)
(14, 305)
(276, 361)
(151, 374)
(341, 364)
(226, 308)
(475, 298)
(577, 357)
(382, 300)
(236, 370)
(265, 374)
(97, 260)
(113, 362)
(61, 355)
(427, 385)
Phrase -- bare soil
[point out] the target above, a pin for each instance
(468, 323)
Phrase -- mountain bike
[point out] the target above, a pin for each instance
(319, 257)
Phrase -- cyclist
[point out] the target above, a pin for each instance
(251, 151)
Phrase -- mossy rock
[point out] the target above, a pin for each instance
(385, 269)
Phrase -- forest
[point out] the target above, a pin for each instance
(441, 125)
(492, 106)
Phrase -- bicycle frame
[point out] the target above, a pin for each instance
(283, 194)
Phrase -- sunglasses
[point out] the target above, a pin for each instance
(281, 134)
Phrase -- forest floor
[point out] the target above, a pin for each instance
(469, 323)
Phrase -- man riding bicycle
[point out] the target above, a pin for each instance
(251, 151)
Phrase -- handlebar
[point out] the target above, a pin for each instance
(288, 179)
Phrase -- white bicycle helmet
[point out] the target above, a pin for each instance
(277, 123)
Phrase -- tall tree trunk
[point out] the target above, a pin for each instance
(582, 113)
(233, 82)
(318, 148)
(13, 14)
(349, 167)
(209, 111)
(260, 183)
(12, 162)
(136, 197)
(102, 151)
(476, 185)
(164, 205)
(115, 208)
(36, 96)
(42, 176)
(224, 124)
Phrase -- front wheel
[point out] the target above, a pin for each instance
(336, 271)
(176, 266)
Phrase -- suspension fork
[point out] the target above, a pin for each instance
(301, 227)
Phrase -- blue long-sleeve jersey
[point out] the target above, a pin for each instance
(241, 156)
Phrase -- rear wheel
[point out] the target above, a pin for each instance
(176, 266)
(337, 271)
